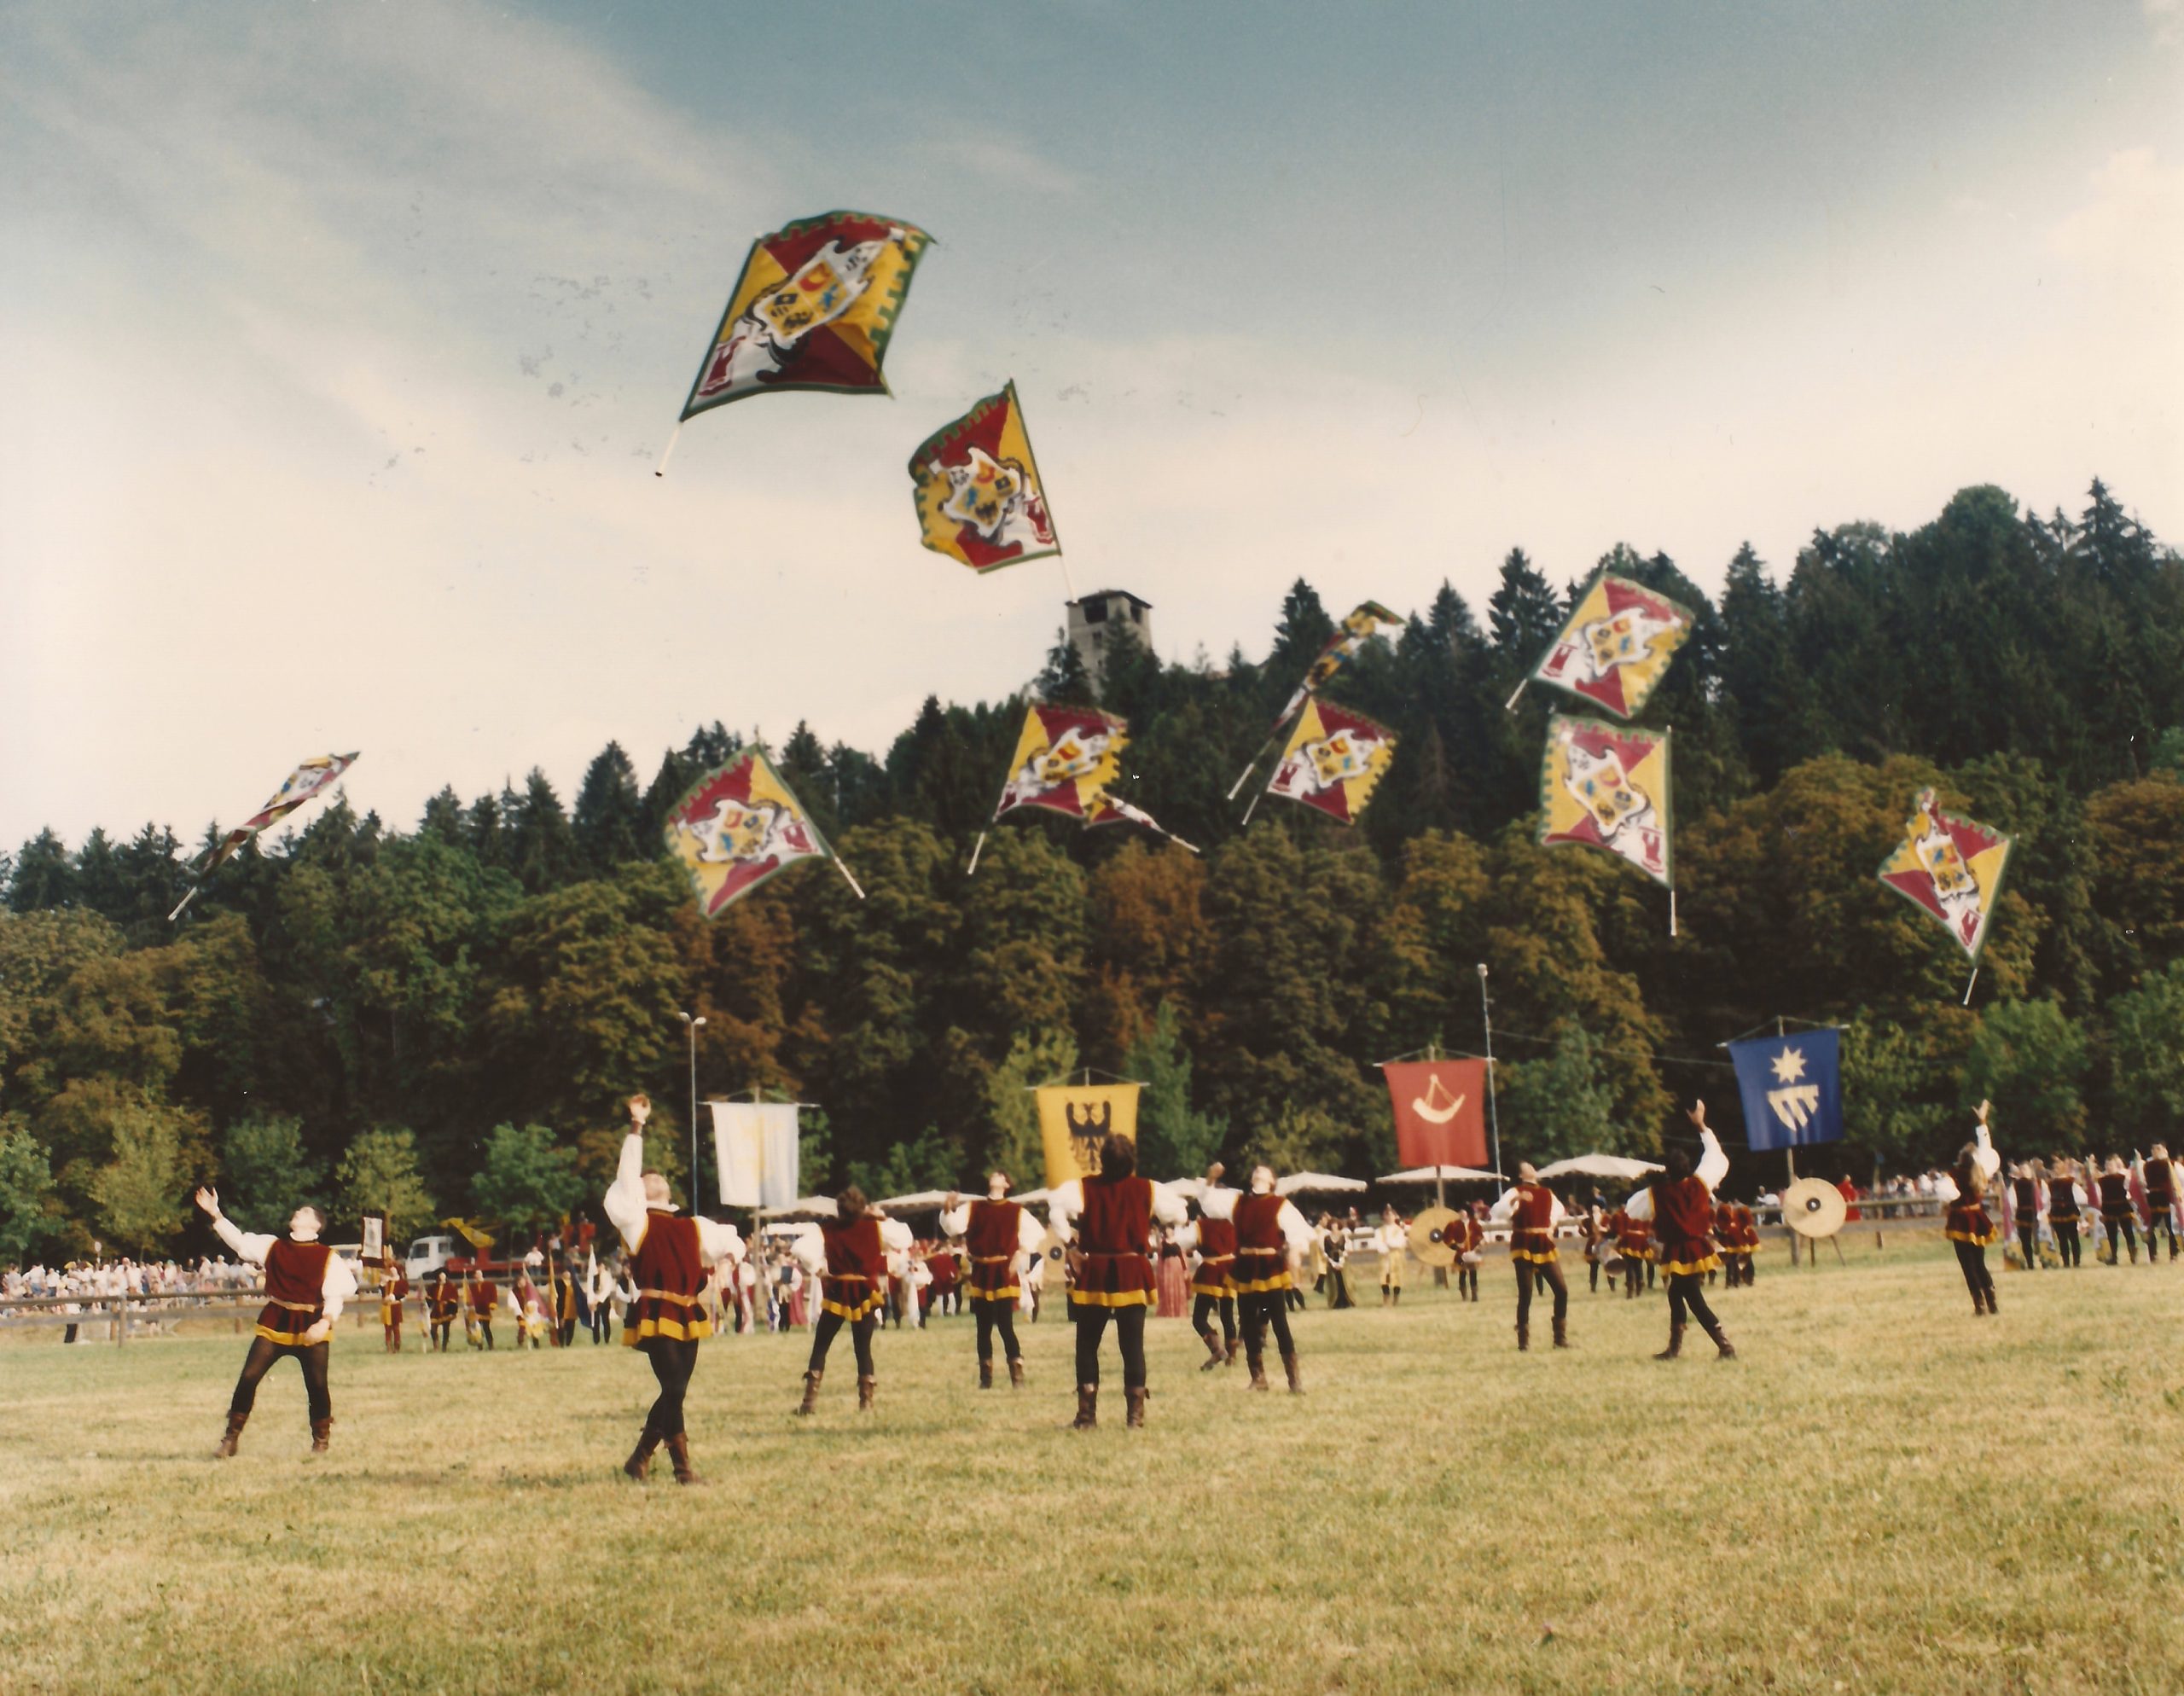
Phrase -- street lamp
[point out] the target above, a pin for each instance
(693, 1026)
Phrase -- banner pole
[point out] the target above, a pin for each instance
(1493, 1105)
(1256, 758)
(1671, 911)
(1251, 809)
(845, 871)
(1509, 705)
(977, 849)
(194, 888)
(1967, 988)
(673, 436)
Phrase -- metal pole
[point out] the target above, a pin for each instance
(691, 1026)
(1493, 1106)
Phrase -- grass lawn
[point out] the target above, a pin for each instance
(1884, 1493)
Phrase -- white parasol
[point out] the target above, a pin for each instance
(1601, 1166)
(1443, 1175)
(1315, 1183)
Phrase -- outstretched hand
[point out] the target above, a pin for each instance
(953, 1202)
(640, 1109)
(1698, 1114)
(1981, 1112)
(208, 1200)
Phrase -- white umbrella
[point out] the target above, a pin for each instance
(1443, 1175)
(804, 1207)
(1601, 1166)
(918, 1201)
(1314, 1183)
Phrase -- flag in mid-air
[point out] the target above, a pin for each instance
(1440, 1109)
(1065, 759)
(813, 309)
(1363, 625)
(1076, 1118)
(736, 828)
(978, 496)
(1792, 1088)
(1951, 867)
(1112, 810)
(1606, 786)
(1334, 758)
(1617, 645)
(313, 777)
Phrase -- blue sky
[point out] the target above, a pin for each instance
(341, 340)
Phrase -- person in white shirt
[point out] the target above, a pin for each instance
(671, 1258)
(1107, 1219)
(1271, 1238)
(305, 1285)
(1394, 1243)
(1001, 1236)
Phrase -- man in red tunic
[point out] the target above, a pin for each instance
(849, 1253)
(484, 1299)
(1467, 1237)
(1213, 1236)
(2157, 1174)
(1532, 1211)
(997, 1234)
(442, 1303)
(1270, 1235)
(305, 1285)
(1680, 1205)
(1107, 1221)
(671, 1257)
(1633, 1241)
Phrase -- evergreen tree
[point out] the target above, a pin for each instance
(542, 846)
(42, 877)
(609, 829)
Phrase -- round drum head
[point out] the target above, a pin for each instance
(1051, 1247)
(1812, 1207)
(1428, 1232)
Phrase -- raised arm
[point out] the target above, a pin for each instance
(1641, 1206)
(250, 1245)
(955, 1216)
(1168, 1207)
(1504, 1209)
(1988, 1161)
(626, 1196)
(718, 1240)
(1064, 1203)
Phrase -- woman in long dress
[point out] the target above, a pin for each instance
(1175, 1282)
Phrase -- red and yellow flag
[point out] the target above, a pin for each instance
(1952, 868)
(736, 828)
(978, 496)
(1604, 786)
(1065, 759)
(1616, 646)
(813, 309)
(1334, 759)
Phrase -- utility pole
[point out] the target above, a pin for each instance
(692, 1026)
(1493, 1106)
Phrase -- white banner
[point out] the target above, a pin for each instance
(755, 1148)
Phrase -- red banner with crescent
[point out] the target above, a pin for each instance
(1440, 1108)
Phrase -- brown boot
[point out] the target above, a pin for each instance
(1675, 1349)
(1561, 1332)
(1727, 1349)
(1991, 1308)
(866, 1389)
(1524, 1337)
(640, 1461)
(1258, 1375)
(226, 1449)
(1213, 1352)
(1296, 1374)
(1088, 1407)
(321, 1430)
(1016, 1373)
(1229, 1358)
(1134, 1403)
(810, 1403)
(678, 1451)
(985, 1374)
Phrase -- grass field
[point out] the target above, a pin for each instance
(1884, 1493)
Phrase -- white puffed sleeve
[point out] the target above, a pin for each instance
(718, 1240)
(1169, 1208)
(1030, 1233)
(250, 1245)
(809, 1248)
(1218, 1202)
(1713, 1164)
(1064, 1203)
(1294, 1229)
(1506, 1209)
(896, 1235)
(1641, 1206)
(954, 1221)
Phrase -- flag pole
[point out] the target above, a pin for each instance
(1967, 988)
(1493, 1105)
(845, 871)
(1256, 758)
(673, 436)
(1509, 705)
(1671, 910)
(1249, 810)
(194, 888)
(977, 849)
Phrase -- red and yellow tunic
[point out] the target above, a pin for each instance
(1463, 1233)
(1747, 1229)
(485, 1297)
(1531, 1225)
(1683, 1214)
(2161, 1185)
(1967, 1220)
(856, 1279)
(1633, 1237)
(1262, 1247)
(295, 1291)
(445, 1300)
(1216, 1258)
(995, 1239)
(1114, 1269)
(670, 1272)
(392, 1294)
(2062, 1201)
(2116, 1207)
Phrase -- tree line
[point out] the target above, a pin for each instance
(441, 1019)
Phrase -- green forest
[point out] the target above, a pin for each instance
(439, 1017)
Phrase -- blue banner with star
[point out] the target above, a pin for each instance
(1792, 1088)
